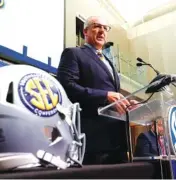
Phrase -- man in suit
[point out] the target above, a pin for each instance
(151, 143)
(90, 79)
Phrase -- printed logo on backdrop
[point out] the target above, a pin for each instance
(1, 3)
(172, 127)
(39, 94)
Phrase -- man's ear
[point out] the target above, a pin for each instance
(85, 31)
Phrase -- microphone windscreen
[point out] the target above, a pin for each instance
(139, 64)
(139, 59)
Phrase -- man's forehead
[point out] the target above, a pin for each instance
(100, 20)
(160, 121)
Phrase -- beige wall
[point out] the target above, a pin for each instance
(155, 42)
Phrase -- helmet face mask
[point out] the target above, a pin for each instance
(37, 117)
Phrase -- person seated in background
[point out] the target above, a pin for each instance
(151, 143)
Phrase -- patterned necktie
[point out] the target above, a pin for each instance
(162, 145)
(100, 55)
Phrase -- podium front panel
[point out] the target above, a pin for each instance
(142, 115)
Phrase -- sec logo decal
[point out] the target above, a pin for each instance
(39, 94)
(172, 127)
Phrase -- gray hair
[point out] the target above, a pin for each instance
(90, 20)
(155, 120)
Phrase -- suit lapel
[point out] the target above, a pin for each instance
(90, 53)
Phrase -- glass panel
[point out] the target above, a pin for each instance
(156, 112)
(125, 66)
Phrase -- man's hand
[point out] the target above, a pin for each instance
(134, 104)
(121, 106)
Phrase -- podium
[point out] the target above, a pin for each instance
(148, 107)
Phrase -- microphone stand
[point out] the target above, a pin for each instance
(142, 64)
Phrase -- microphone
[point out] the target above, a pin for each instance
(140, 60)
(139, 64)
(142, 63)
(160, 81)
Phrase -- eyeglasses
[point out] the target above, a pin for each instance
(99, 26)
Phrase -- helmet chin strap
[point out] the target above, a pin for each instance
(54, 160)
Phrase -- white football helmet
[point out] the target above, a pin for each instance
(37, 117)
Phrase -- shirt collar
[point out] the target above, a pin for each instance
(93, 48)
